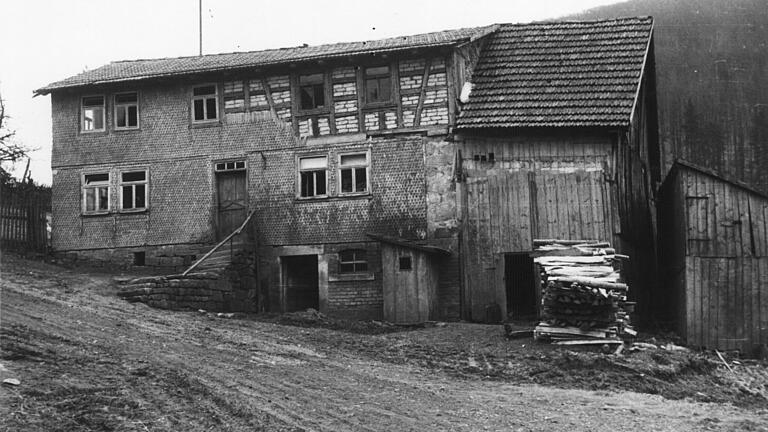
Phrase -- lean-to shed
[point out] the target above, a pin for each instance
(714, 259)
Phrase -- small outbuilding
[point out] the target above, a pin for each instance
(714, 259)
(410, 279)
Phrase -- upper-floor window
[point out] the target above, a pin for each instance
(126, 110)
(96, 193)
(378, 84)
(312, 91)
(205, 103)
(133, 190)
(93, 114)
(312, 176)
(353, 173)
(353, 261)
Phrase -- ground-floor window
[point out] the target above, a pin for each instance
(353, 261)
(133, 190)
(95, 193)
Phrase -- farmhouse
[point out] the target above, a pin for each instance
(715, 259)
(401, 178)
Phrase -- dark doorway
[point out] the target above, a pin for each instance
(233, 206)
(520, 286)
(300, 282)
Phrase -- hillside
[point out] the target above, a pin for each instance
(712, 79)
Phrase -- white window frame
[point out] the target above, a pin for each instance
(299, 171)
(356, 261)
(117, 105)
(367, 167)
(98, 185)
(133, 184)
(204, 98)
(103, 113)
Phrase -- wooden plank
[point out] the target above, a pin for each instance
(524, 241)
(690, 269)
(762, 277)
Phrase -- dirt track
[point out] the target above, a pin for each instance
(89, 361)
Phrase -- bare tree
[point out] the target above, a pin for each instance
(10, 149)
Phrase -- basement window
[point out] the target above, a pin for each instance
(127, 111)
(353, 261)
(312, 91)
(378, 84)
(353, 173)
(405, 263)
(205, 104)
(133, 190)
(95, 193)
(312, 176)
(93, 114)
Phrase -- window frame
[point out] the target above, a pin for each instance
(103, 113)
(121, 184)
(299, 171)
(84, 187)
(193, 98)
(299, 100)
(367, 166)
(117, 104)
(378, 77)
(354, 262)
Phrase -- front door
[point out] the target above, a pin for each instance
(232, 197)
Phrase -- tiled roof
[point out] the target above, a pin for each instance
(145, 69)
(558, 74)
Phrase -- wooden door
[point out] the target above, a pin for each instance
(233, 205)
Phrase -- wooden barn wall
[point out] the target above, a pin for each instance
(726, 266)
(525, 187)
(669, 296)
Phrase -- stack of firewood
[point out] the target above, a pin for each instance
(584, 294)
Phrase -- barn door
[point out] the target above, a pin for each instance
(232, 201)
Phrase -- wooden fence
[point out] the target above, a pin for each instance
(24, 214)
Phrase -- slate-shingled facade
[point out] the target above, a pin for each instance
(332, 143)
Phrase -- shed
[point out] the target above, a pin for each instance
(410, 279)
(714, 259)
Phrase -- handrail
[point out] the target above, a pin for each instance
(226, 239)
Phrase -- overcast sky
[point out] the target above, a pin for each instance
(46, 41)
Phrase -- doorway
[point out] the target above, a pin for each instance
(521, 287)
(300, 282)
(232, 201)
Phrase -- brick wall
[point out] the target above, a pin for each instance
(351, 295)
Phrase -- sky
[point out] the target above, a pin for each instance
(46, 41)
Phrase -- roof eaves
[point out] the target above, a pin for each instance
(642, 73)
(713, 173)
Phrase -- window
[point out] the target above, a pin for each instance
(96, 193)
(133, 190)
(312, 178)
(230, 166)
(353, 173)
(405, 262)
(353, 261)
(93, 113)
(312, 91)
(127, 111)
(378, 84)
(205, 104)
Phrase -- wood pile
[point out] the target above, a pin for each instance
(584, 293)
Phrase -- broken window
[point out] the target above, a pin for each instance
(312, 176)
(205, 103)
(93, 113)
(353, 261)
(353, 173)
(378, 84)
(405, 262)
(133, 190)
(96, 193)
(127, 111)
(312, 91)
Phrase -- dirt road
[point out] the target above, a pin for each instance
(89, 361)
